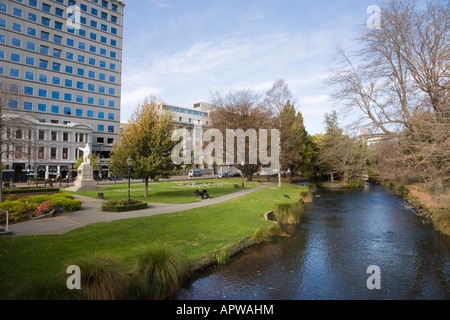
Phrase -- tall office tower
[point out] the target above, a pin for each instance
(63, 58)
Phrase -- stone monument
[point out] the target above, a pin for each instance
(85, 180)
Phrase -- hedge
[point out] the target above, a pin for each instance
(7, 191)
(122, 206)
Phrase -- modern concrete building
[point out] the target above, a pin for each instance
(63, 60)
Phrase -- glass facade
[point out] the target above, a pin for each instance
(63, 67)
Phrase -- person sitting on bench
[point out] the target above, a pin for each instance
(205, 193)
(198, 193)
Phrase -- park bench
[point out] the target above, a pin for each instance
(236, 186)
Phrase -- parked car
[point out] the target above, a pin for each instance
(195, 173)
(223, 175)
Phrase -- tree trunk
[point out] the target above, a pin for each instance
(331, 177)
(146, 188)
(249, 178)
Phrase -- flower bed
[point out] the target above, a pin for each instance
(122, 205)
(25, 208)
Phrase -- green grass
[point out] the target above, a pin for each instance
(195, 233)
(169, 192)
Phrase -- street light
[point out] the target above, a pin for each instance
(129, 163)
(242, 174)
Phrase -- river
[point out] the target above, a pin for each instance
(327, 256)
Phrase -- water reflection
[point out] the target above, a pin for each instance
(326, 257)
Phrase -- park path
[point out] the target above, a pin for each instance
(91, 212)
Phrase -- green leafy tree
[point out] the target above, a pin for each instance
(147, 140)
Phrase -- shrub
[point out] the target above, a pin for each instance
(161, 270)
(68, 204)
(122, 205)
(30, 190)
(356, 183)
(288, 213)
(311, 187)
(102, 277)
(45, 207)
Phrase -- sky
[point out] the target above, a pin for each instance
(181, 51)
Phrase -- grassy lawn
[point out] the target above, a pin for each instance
(194, 232)
(169, 192)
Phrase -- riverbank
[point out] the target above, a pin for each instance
(197, 233)
(425, 202)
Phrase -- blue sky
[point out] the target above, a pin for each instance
(183, 50)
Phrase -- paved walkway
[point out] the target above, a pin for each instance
(91, 212)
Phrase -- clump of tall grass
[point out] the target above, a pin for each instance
(49, 289)
(441, 221)
(102, 277)
(223, 256)
(288, 213)
(264, 234)
(160, 272)
(306, 196)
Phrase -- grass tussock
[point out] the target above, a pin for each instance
(102, 277)
(160, 271)
(306, 196)
(288, 213)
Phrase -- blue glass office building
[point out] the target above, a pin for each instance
(64, 59)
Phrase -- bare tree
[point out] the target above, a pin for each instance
(242, 109)
(277, 98)
(398, 81)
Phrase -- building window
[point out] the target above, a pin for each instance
(41, 151)
(65, 136)
(55, 109)
(56, 81)
(42, 107)
(53, 153)
(65, 154)
(57, 53)
(46, 7)
(67, 111)
(43, 64)
(43, 78)
(54, 135)
(28, 91)
(28, 106)
(42, 93)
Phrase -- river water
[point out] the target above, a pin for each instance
(327, 256)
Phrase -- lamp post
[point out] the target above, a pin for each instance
(242, 174)
(129, 163)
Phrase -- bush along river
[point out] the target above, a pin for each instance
(351, 244)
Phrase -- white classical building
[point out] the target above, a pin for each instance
(44, 150)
